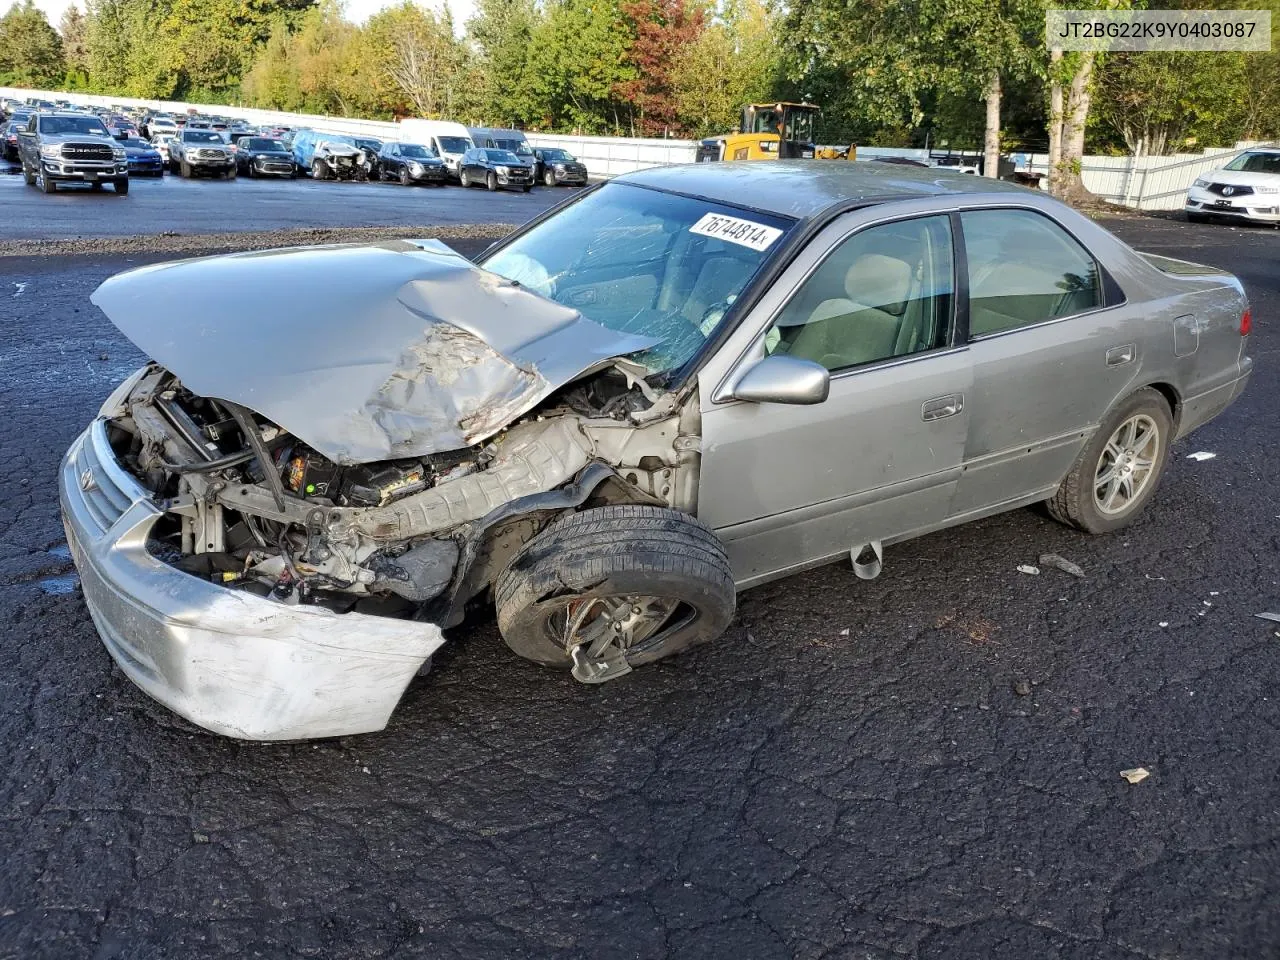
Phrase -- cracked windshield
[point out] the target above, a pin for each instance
(644, 262)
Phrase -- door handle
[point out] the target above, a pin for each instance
(1118, 356)
(940, 407)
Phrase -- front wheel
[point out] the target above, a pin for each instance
(122, 186)
(1197, 217)
(29, 176)
(549, 178)
(47, 185)
(405, 179)
(463, 179)
(491, 181)
(527, 187)
(231, 174)
(1119, 468)
(319, 171)
(611, 588)
(184, 168)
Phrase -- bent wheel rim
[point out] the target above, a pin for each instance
(1127, 465)
(632, 624)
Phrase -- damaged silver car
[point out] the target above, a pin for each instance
(683, 383)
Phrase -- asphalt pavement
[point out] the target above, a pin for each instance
(848, 773)
(203, 205)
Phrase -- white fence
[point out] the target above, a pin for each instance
(610, 156)
(1144, 183)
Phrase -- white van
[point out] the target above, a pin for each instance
(448, 139)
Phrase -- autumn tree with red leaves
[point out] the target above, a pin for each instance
(662, 30)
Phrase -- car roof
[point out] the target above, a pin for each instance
(805, 188)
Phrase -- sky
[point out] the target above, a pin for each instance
(357, 10)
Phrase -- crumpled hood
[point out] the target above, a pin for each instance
(365, 352)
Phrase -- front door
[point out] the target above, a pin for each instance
(788, 487)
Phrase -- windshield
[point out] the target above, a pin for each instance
(500, 156)
(415, 151)
(557, 156)
(518, 147)
(454, 144)
(1256, 163)
(201, 136)
(135, 143)
(260, 143)
(60, 125)
(645, 262)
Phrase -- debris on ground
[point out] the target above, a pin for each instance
(1061, 563)
(1136, 775)
(1028, 568)
(1164, 623)
(1022, 687)
(1201, 455)
(1274, 617)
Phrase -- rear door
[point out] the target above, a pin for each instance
(1051, 351)
(788, 487)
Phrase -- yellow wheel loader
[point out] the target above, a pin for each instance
(773, 131)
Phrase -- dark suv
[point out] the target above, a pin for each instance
(556, 166)
(411, 163)
(494, 168)
(71, 148)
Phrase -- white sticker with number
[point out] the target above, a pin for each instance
(733, 230)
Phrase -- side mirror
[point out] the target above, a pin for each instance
(784, 379)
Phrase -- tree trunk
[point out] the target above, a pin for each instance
(991, 145)
(1055, 121)
(1079, 99)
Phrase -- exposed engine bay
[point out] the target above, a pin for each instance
(252, 507)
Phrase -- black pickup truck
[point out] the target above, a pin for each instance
(71, 148)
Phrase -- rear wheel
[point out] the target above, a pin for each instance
(1120, 467)
(611, 588)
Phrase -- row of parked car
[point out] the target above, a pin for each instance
(149, 144)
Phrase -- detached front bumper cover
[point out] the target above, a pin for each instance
(229, 661)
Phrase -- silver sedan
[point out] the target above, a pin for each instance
(684, 383)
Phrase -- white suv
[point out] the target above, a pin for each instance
(1247, 188)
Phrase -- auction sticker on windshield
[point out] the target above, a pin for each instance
(742, 232)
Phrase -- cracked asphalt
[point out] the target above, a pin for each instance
(848, 773)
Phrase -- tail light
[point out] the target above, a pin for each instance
(1246, 321)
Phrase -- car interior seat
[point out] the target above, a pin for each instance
(865, 324)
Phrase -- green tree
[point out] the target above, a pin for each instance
(30, 49)
(74, 30)
(500, 33)
(577, 59)
(733, 62)
(423, 65)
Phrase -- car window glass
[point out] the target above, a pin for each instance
(1256, 163)
(1024, 269)
(645, 262)
(885, 292)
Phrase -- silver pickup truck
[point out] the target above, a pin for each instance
(71, 147)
